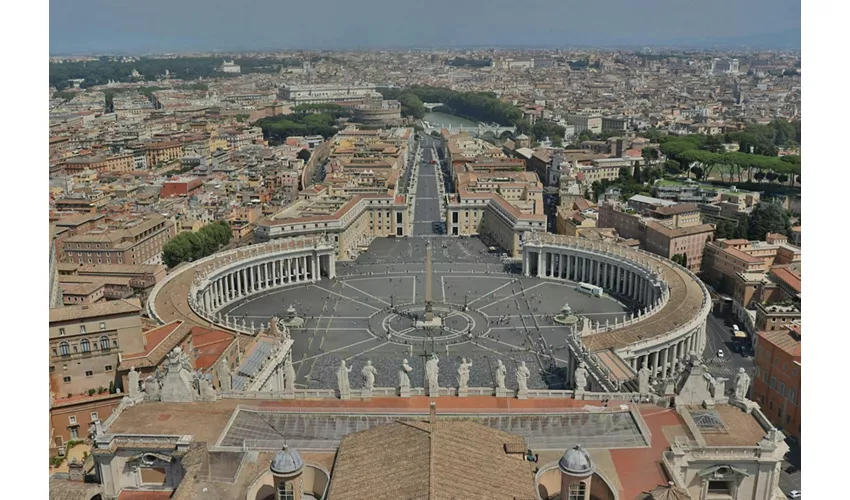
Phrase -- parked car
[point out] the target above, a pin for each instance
(795, 494)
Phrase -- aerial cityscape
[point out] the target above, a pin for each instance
(504, 271)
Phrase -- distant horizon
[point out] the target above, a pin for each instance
(169, 26)
(716, 46)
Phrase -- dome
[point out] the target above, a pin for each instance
(576, 462)
(287, 462)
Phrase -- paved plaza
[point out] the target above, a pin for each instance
(363, 315)
(324, 430)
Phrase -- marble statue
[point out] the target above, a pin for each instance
(580, 377)
(463, 373)
(742, 384)
(342, 379)
(152, 388)
(403, 375)
(501, 373)
(522, 376)
(133, 382)
(288, 375)
(432, 374)
(369, 372)
(643, 378)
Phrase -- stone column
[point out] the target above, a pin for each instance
(332, 267)
(664, 362)
(317, 266)
(540, 263)
(655, 363)
(525, 271)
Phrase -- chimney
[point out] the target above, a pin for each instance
(433, 417)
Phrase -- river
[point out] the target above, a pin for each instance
(443, 120)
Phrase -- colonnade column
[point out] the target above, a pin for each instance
(664, 363)
(655, 364)
(540, 263)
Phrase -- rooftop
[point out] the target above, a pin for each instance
(112, 307)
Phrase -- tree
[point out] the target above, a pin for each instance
(759, 175)
(697, 171)
(304, 154)
(557, 142)
(672, 167)
(768, 218)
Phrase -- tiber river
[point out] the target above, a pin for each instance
(444, 120)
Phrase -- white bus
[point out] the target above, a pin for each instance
(592, 290)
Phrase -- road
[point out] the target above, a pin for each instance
(719, 336)
(427, 210)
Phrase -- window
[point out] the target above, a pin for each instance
(102, 326)
(779, 412)
(104, 343)
(772, 382)
(792, 395)
(84, 345)
(61, 332)
(74, 433)
(66, 379)
(64, 349)
(108, 368)
(788, 419)
(94, 415)
(52, 369)
(720, 487)
(782, 388)
(55, 353)
(82, 328)
(285, 490)
(577, 491)
(89, 373)
(771, 404)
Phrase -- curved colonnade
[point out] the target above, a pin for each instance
(212, 283)
(672, 303)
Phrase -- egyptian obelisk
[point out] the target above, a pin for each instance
(429, 312)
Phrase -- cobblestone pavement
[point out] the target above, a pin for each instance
(509, 317)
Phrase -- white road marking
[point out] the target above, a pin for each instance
(366, 294)
(513, 295)
(491, 292)
(347, 298)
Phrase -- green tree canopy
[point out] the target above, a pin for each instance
(766, 218)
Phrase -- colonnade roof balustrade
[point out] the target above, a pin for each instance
(169, 300)
(688, 301)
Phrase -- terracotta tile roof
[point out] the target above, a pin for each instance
(209, 346)
(169, 335)
(412, 460)
(64, 489)
(71, 313)
(788, 277)
(785, 339)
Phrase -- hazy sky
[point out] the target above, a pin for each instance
(182, 25)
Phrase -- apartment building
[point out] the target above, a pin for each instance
(772, 317)
(329, 93)
(101, 164)
(134, 241)
(85, 341)
(350, 221)
(71, 417)
(499, 207)
(584, 121)
(726, 258)
(162, 152)
(776, 384)
(676, 232)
